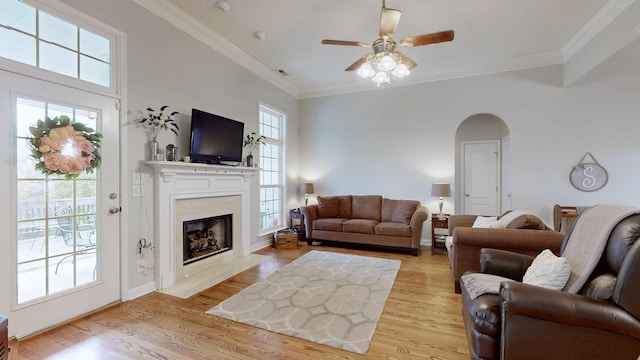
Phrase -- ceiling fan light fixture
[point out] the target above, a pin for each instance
(366, 70)
(401, 71)
(381, 77)
(386, 63)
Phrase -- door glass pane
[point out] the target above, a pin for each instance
(31, 280)
(57, 238)
(58, 59)
(18, 46)
(58, 31)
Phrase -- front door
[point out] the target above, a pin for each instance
(63, 233)
(481, 167)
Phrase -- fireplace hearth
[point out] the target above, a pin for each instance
(206, 237)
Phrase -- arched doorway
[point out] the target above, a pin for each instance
(483, 165)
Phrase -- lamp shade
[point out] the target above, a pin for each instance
(306, 188)
(441, 190)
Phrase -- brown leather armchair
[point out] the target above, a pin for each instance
(531, 322)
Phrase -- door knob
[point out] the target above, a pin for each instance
(467, 195)
(114, 210)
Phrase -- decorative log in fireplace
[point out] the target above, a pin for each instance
(206, 237)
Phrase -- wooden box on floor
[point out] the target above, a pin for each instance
(285, 239)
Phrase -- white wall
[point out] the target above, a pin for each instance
(398, 141)
(168, 67)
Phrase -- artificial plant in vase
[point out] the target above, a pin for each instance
(252, 141)
(158, 122)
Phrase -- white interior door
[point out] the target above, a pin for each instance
(64, 234)
(481, 166)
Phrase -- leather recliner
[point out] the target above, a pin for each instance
(530, 322)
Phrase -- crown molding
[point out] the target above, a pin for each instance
(594, 26)
(192, 26)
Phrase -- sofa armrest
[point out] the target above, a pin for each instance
(419, 217)
(528, 301)
(461, 221)
(504, 263)
(310, 213)
(417, 220)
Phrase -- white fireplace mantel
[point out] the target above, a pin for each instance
(179, 181)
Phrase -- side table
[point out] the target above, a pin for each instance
(438, 237)
(296, 214)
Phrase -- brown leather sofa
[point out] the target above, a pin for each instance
(531, 322)
(464, 252)
(366, 219)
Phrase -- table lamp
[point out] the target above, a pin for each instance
(306, 189)
(441, 190)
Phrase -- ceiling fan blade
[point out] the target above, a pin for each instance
(344, 42)
(406, 60)
(389, 19)
(426, 39)
(357, 64)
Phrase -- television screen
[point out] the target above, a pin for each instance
(215, 139)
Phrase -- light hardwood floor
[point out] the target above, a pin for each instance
(421, 320)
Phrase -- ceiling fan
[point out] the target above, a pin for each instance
(384, 60)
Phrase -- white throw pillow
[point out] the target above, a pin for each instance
(548, 270)
(483, 221)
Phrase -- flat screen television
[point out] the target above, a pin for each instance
(215, 139)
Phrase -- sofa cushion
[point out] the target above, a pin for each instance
(393, 229)
(329, 224)
(404, 211)
(366, 207)
(361, 226)
(388, 206)
(328, 206)
(344, 206)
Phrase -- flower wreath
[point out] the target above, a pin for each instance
(65, 147)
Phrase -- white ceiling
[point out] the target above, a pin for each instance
(490, 36)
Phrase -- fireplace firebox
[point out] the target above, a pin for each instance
(206, 237)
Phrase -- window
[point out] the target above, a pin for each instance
(271, 169)
(37, 38)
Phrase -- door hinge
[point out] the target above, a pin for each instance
(117, 105)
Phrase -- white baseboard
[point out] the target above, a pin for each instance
(141, 290)
(260, 245)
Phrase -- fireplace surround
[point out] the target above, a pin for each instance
(186, 192)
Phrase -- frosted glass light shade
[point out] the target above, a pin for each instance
(366, 71)
(381, 77)
(386, 63)
(401, 71)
